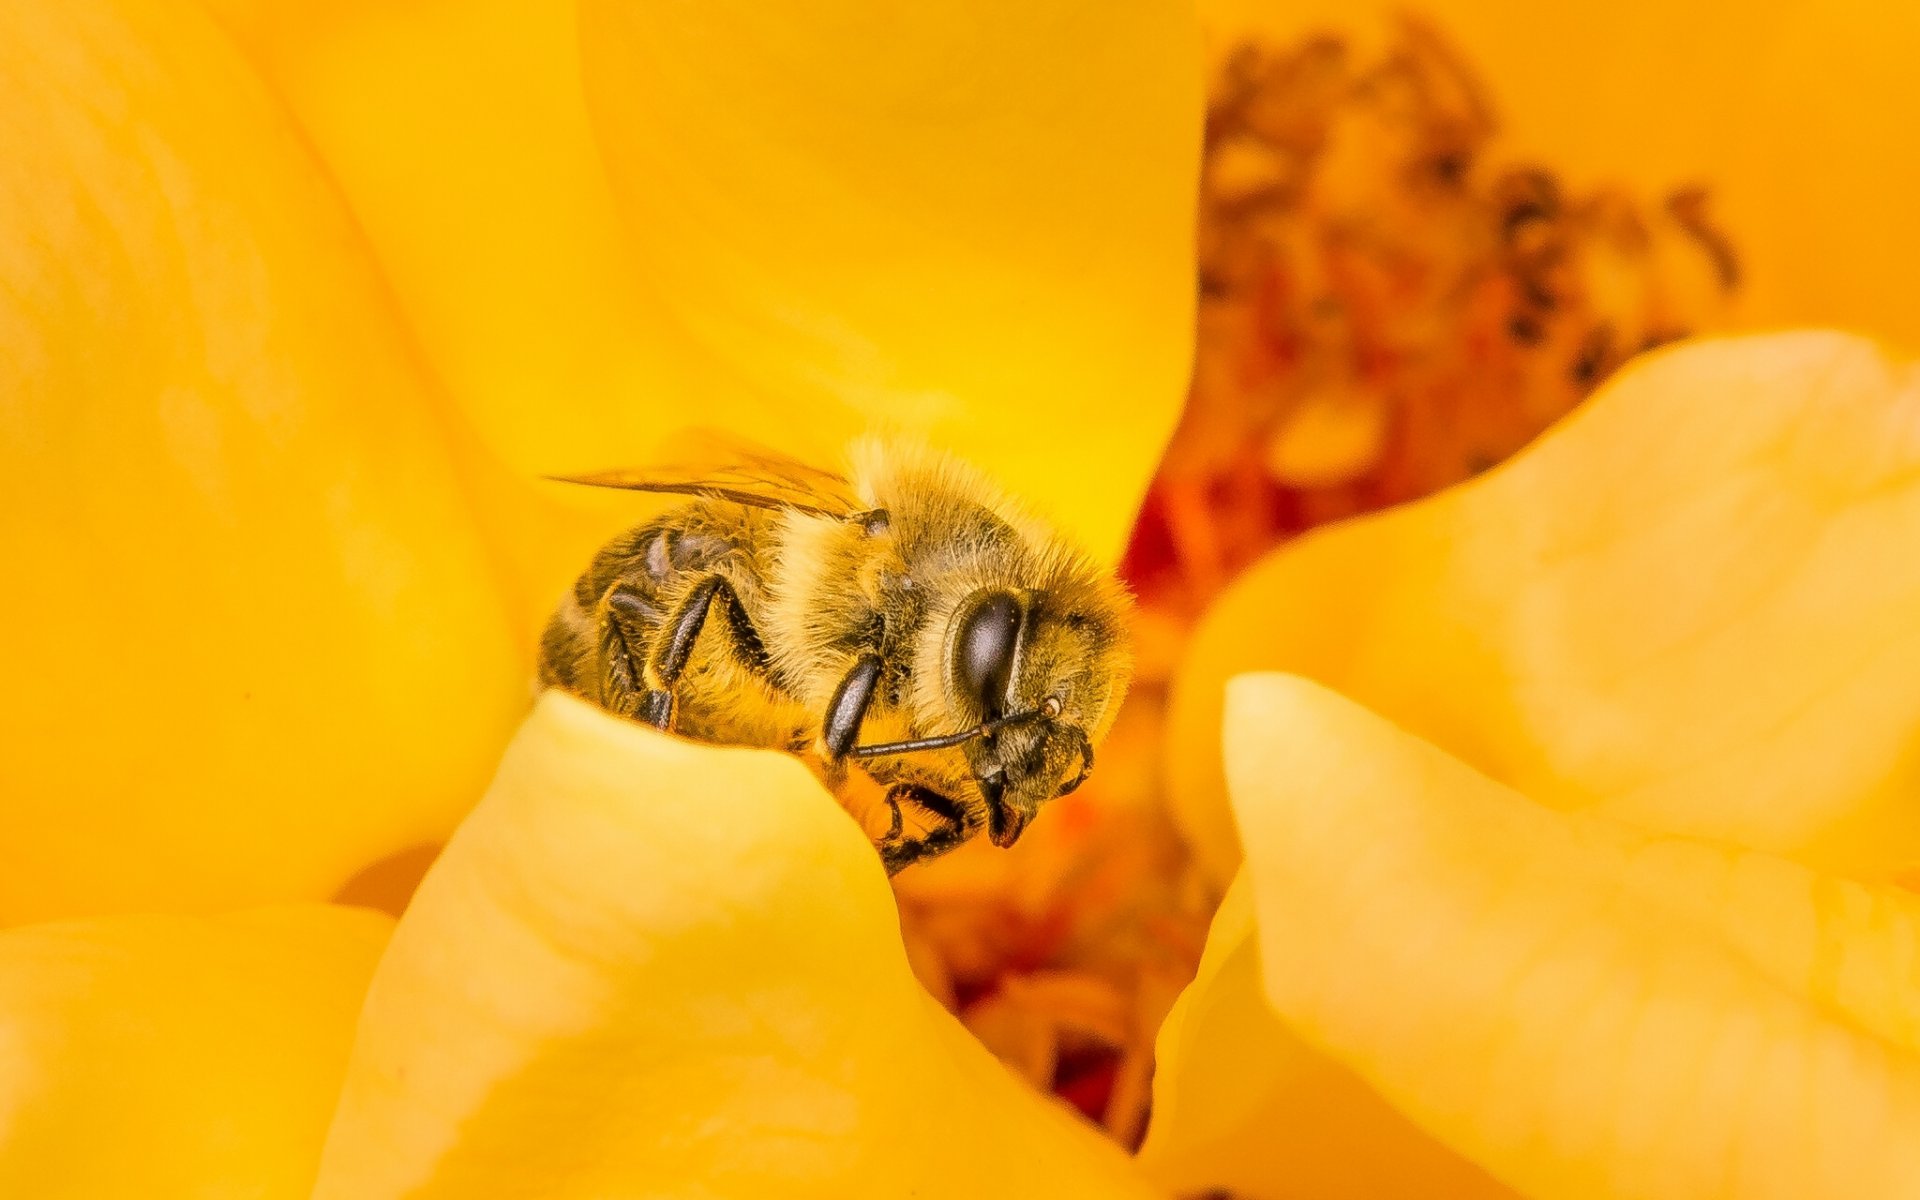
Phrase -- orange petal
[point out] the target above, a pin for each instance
(1798, 116)
(252, 634)
(645, 966)
(1691, 606)
(167, 1057)
(1584, 1010)
(1241, 1104)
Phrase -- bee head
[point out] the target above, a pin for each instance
(1043, 670)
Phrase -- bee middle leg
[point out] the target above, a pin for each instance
(898, 852)
(644, 688)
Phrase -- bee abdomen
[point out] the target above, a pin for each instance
(568, 649)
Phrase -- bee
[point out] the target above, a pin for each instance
(906, 620)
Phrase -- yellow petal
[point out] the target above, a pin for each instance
(972, 224)
(971, 219)
(1241, 1104)
(458, 134)
(1584, 1010)
(647, 967)
(1691, 606)
(252, 636)
(1796, 115)
(166, 1057)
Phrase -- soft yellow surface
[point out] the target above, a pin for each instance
(1241, 1103)
(1586, 1010)
(649, 968)
(176, 1057)
(251, 637)
(792, 221)
(1691, 606)
(1797, 113)
(457, 134)
(969, 219)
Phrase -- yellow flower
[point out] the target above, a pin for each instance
(1679, 966)
(279, 391)
(299, 301)
(1679, 613)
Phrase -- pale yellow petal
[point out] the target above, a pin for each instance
(650, 968)
(251, 636)
(176, 1057)
(458, 136)
(1585, 1010)
(969, 220)
(1692, 606)
(972, 224)
(1240, 1103)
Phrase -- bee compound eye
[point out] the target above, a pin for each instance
(984, 651)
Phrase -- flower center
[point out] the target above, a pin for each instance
(1386, 308)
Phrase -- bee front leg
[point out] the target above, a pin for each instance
(898, 852)
(838, 732)
(848, 709)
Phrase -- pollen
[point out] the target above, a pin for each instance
(1387, 306)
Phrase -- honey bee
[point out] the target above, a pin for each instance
(906, 620)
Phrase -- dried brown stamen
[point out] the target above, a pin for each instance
(1386, 309)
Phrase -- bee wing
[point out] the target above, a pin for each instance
(728, 468)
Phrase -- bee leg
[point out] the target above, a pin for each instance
(683, 628)
(847, 709)
(898, 853)
(622, 679)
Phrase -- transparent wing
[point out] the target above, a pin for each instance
(706, 463)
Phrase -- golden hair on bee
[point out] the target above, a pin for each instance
(906, 620)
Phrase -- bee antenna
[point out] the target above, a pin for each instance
(885, 749)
